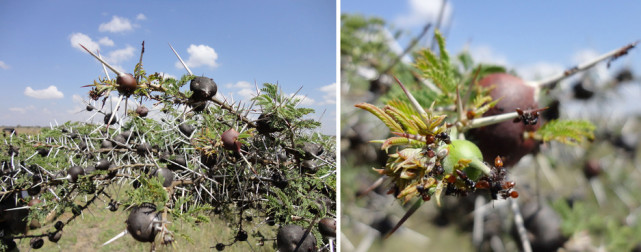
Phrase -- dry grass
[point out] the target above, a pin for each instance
(24, 129)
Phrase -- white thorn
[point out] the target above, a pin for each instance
(104, 68)
(102, 61)
(118, 236)
(181, 60)
(17, 208)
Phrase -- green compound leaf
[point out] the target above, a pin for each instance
(387, 119)
(569, 132)
(409, 125)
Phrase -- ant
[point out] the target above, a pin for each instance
(429, 152)
(468, 182)
(451, 189)
(496, 183)
(443, 136)
(528, 117)
(423, 192)
(429, 139)
(437, 170)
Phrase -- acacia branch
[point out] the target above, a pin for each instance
(612, 55)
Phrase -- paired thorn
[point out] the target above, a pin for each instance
(102, 61)
(181, 60)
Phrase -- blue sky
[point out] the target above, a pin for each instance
(535, 38)
(516, 32)
(236, 43)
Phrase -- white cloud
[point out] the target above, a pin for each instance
(106, 41)
(530, 72)
(240, 84)
(77, 99)
(200, 55)
(3, 65)
(539, 70)
(329, 94)
(79, 38)
(245, 89)
(120, 55)
(303, 100)
(141, 16)
(485, 54)
(48, 93)
(22, 110)
(247, 93)
(117, 24)
(79, 104)
(424, 11)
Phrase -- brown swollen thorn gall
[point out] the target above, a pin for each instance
(506, 138)
(126, 82)
(230, 140)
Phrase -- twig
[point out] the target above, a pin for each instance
(407, 49)
(142, 51)
(407, 215)
(233, 111)
(488, 120)
(479, 214)
(581, 67)
(520, 227)
(545, 168)
(214, 99)
(439, 21)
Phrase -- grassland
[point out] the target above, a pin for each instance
(29, 130)
(98, 225)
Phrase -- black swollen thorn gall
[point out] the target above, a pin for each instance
(103, 164)
(241, 235)
(204, 88)
(113, 120)
(75, 172)
(288, 237)
(186, 129)
(36, 242)
(59, 225)
(140, 223)
(54, 236)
